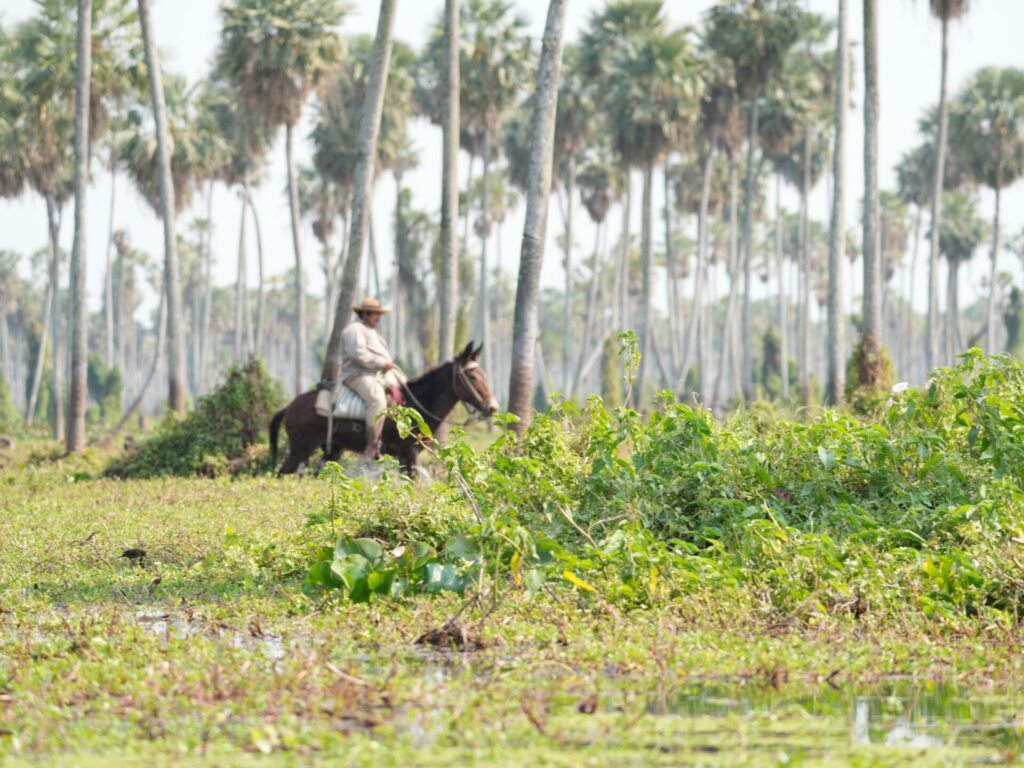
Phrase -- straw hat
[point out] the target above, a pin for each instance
(371, 305)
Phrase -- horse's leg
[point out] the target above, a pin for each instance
(291, 464)
(300, 448)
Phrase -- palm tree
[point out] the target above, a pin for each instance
(438, 89)
(339, 116)
(914, 177)
(600, 187)
(275, 52)
(963, 230)
(756, 37)
(798, 110)
(871, 352)
(234, 143)
(987, 123)
(945, 11)
(913, 184)
(366, 161)
(43, 72)
(319, 200)
(79, 331)
(894, 233)
(496, 59)
(524, 329)
(172, 280)
(647, 88)
(836, 343)
(574, 130)
(450, 122)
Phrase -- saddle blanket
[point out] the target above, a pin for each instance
(350, 405)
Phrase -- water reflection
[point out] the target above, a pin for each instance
(904, 714)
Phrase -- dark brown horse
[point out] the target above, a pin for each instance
(433, 395)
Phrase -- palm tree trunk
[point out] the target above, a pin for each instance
(336, 269)
(588, 323)
(206, 322)
(570, 190)
(176, 347)
(524, 330)
(954, 340)
(78, 331)
(780, 258)
(837, 230)
(805, 252)
(121, 322)
(374, 263)
(240, 280)
(203, 329)
(671, 280)
(53, 226)
(483, 305)
(56, 358)
(108, 275)
(399, 307)
(366, 155)
(261, 289)
(161, 324)
(450, 185)
(990, 334)
(622, 273)
(932, 347)
(908, 327)
(647, 319)
(301, 340)
(697, 321)
(733, 270)
(748, 249)
(871, 344)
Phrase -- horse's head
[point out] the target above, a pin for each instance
(470, 381)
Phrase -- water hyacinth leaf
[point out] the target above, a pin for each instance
(534, 580)
(443, 578)
(380, 582)
(462, 547)
(416, 555)
(352, 569)
(367, 548)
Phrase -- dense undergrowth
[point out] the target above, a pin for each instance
(917, 507)
(216, 438)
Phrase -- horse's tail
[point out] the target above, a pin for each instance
(275, 428)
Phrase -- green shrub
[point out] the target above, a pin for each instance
(218, 436)
(919, 506)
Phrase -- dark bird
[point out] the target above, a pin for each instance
(134, 555)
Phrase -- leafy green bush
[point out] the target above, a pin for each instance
(218, 436)
(921, 505)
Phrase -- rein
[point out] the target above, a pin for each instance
(459, 371)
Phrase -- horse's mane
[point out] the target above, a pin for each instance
(428, 374)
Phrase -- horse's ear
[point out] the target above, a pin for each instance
(475, 355)
(466, 353)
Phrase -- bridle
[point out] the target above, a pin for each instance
(458, 374)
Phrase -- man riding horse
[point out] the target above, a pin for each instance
(366, 366)
(365, 362)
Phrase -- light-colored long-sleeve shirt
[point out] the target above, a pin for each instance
(363, 350)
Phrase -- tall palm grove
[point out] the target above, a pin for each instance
(679, 165)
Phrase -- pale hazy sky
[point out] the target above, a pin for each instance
(187, 32)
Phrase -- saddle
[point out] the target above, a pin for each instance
(348, 404)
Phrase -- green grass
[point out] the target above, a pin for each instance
(209, 654)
